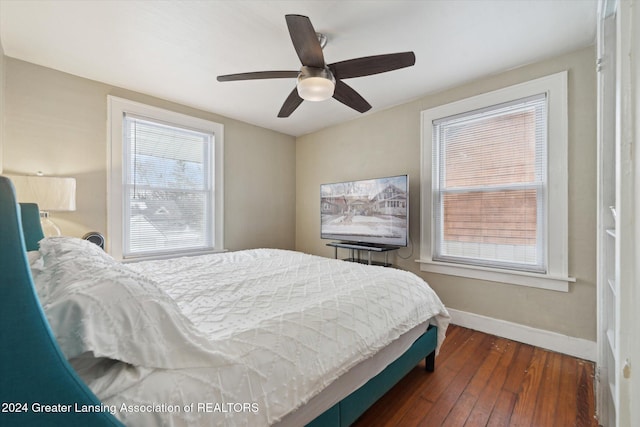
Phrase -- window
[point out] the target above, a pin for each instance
(165, 183)
(489, 194)
(494, 186)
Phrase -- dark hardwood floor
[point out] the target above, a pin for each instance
(484, 380)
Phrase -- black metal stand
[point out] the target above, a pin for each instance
(354, 252)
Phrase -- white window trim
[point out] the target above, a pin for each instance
(116, 107)
(557, 276)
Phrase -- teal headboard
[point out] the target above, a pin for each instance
(33, 370)
(31, 228)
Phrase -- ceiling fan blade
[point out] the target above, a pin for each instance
(305, 41)
(290, 104)
(259, 75)
(349, 97)
(369, 65)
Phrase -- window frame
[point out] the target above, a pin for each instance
(116, 109)
(556, 276)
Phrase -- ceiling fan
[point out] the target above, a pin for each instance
(317, 80)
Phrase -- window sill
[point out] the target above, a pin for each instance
(541, 281)
(154, 257)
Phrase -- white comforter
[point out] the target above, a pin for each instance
(284, 324)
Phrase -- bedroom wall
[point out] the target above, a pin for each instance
(56, 123)
(388, 143)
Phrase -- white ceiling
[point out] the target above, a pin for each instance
(175, 49)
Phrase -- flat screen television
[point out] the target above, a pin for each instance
(369, 212)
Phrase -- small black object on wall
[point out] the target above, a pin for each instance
(95, 237)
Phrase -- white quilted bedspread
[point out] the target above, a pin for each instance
(290, 322)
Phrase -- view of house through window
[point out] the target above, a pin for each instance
(489, 201)
(168, 187)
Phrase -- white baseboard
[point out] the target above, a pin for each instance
(576, 347)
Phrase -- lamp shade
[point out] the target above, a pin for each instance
(51, 193)
(315, 84)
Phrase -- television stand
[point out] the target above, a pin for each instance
(354, 252)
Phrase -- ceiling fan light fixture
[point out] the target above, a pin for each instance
(315, 84)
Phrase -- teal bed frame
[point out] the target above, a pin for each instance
(34, 373)
(347, 411)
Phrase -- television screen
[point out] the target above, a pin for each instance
(372, 211)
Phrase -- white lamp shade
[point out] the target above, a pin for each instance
(51, 193)
(315, 88)
(315, 84)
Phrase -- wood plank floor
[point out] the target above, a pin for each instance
(484, 380)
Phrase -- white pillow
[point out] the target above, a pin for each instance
(94, 303)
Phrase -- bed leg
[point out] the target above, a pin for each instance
(430, 362)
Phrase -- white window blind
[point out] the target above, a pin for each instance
(489, 186)
(168, 188)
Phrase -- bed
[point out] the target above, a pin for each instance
(285, 338)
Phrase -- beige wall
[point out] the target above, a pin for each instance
(56, 123)
(388, 143)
